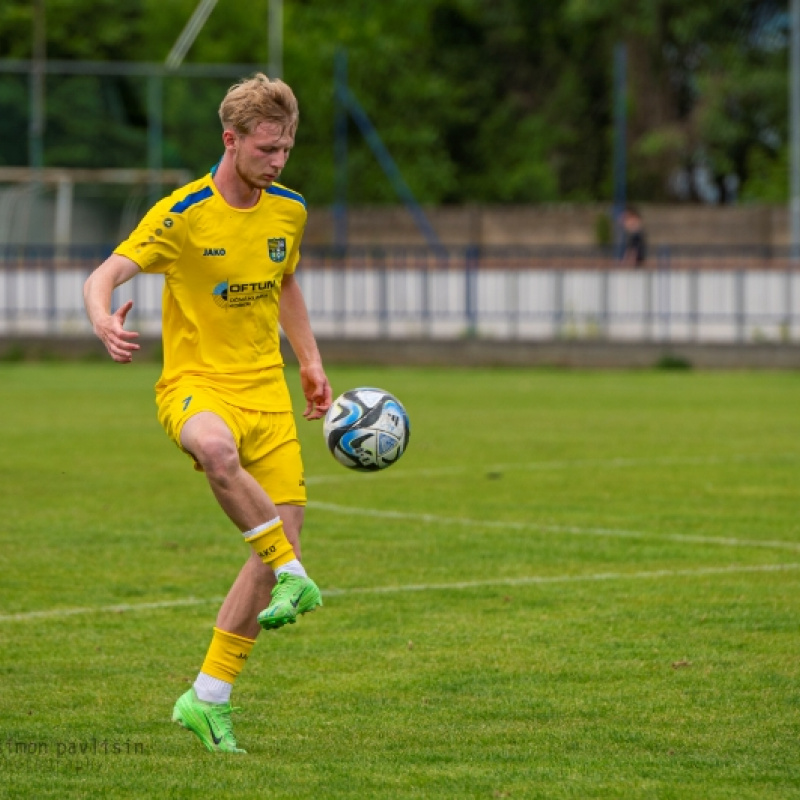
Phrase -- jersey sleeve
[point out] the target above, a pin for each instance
(158, 239)
(294, 256)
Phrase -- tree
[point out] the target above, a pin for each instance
(479, 101)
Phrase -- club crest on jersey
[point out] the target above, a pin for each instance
(277, 249)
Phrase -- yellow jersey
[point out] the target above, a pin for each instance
(223, 268)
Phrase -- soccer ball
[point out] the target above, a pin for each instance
(366, 429)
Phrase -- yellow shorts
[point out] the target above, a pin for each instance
(267, 441)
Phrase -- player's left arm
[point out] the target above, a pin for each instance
(297, 327)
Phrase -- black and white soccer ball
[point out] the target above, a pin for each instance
(366, 429)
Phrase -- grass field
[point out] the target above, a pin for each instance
(574, 585)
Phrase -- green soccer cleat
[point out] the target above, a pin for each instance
(210, 722)
(291, 596)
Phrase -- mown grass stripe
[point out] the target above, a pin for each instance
(435, 519)
(562, 464)
(527, 580)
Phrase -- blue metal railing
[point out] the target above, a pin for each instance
(663, 256)
(695, 294)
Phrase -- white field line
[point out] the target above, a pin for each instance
(50, 613)
(548, 579)
(434, 519)
(439, 520)
(581, 463)
(528, 580)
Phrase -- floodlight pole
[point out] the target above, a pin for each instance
(276, 38)
(620, 137)
(155, 136)
(189, 33)
(794, 132)
(37, 116)
(340, 152)
(389, 167)
(155, 94)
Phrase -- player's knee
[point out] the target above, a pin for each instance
(219, 459)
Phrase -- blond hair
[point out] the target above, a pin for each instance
(258, 99)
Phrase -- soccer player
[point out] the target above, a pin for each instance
(228, 245)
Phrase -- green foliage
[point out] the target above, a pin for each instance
(16, 29)
(96, 122)
(13, 120)
(670, 361)
(495, 101)
(769, 175)
(603, 230)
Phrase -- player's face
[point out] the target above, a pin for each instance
(259, 157)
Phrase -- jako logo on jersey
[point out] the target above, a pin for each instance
(277, 249)
(214, 251)
(238, 295)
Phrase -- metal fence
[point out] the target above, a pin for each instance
(516, 294)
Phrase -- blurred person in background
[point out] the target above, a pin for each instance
(634, 240)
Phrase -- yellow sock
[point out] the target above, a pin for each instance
(270, 543)
(226, 655)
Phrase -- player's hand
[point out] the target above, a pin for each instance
(121, 344)
(316, 389)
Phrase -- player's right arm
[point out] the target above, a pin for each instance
(97, 291)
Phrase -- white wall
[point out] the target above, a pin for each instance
(535, 304)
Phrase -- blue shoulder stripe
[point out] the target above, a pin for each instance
(191, 199)
(280, 191)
